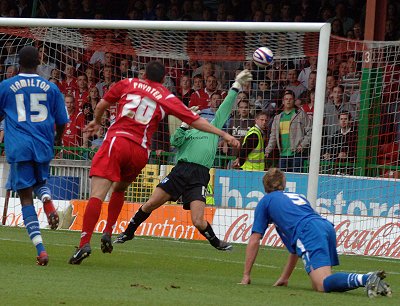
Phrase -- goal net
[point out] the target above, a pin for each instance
(350, 177)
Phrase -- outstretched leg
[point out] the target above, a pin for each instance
(158, 198)
(115, 205)
(99, 188)
(197, 213)
(32, 225)
(114, 209)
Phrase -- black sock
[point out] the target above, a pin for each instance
(137, 219)
(208, 232)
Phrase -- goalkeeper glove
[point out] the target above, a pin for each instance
(243, 77)
(194, 109)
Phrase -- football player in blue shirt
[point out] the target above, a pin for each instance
(31, 106)
(307, 235)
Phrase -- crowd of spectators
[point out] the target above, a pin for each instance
(285, 86)
(285, 92)
(346, 16)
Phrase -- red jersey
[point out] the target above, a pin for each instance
(141, 106)
(80, 99)
(201, 98)
(68, 87)
(72, 136)
(309, 111)
(175, 74)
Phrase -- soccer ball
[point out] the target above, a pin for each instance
(263, 57)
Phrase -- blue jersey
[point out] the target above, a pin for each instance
(31, 106)
(288, 211)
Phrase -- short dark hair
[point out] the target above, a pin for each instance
(261, 113)
(216, 93)
(289, 92)
(69, 96)
(347, 113)
(245, 101)
(340, 86)
(28, 57)
(243, 92)
(155, 71)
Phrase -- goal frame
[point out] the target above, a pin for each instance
(324, 30)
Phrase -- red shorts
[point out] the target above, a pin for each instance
(119, 159)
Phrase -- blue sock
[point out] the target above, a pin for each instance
(32, 226)
(42, 191)
(340, 282)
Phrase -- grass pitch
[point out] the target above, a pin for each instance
(154, 271)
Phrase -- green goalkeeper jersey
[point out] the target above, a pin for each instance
(199, 147)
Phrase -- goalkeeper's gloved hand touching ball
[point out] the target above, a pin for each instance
(243, 77)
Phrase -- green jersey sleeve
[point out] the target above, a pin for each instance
(225, 109)
(178, 138)
(199, 147)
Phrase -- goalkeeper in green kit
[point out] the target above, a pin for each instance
(189, 178)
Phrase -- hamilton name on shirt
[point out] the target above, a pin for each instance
(21, 83)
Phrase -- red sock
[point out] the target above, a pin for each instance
(90, 218)
(48, 207)
(114, 208)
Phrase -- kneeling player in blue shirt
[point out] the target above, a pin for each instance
(307, 235)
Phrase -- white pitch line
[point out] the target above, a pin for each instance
(216, 259)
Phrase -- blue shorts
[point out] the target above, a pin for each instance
(27, 174)
(316, 245)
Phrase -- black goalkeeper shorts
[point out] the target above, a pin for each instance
(188, 180)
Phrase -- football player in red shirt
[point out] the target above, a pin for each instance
(142, 104)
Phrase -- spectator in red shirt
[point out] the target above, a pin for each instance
(91, 77)
(56, 75)
(308, 106)
(94, 97)
(201, 97)
(104, 85)
(185, 90)
(73, 129)
(68, 84)
(81, 93)
(198, 82)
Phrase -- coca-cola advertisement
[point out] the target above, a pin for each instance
(368, 236)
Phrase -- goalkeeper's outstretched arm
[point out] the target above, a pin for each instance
(203, 125)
